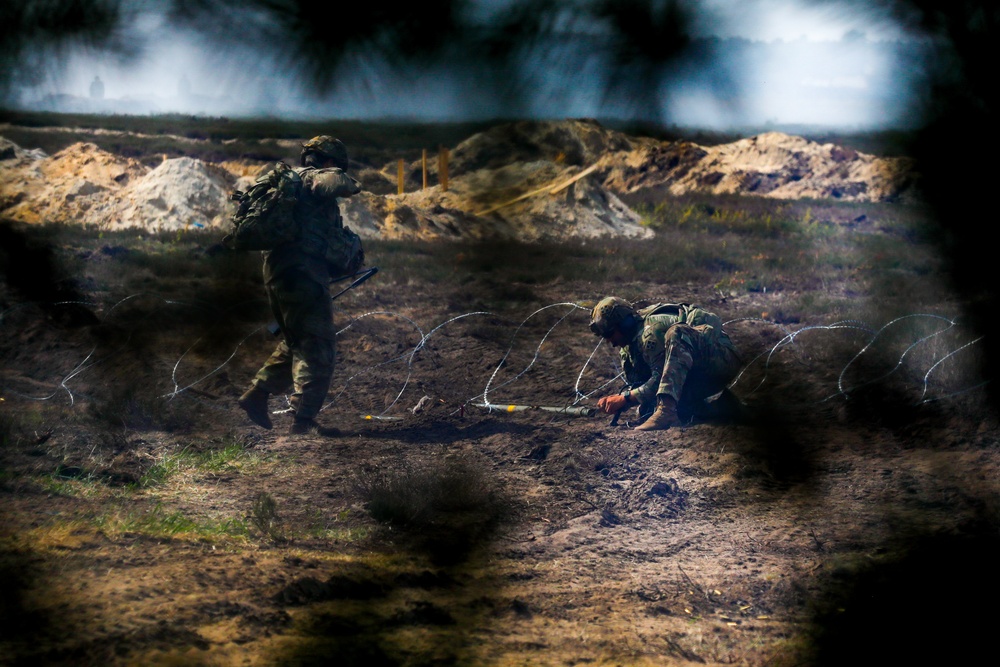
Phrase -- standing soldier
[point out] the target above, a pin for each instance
(97, 88)
(296, 278)
(676, 359)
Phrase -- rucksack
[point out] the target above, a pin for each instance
(344, 253)
(689, 314)
(264, 217)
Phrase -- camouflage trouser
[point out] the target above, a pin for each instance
(699, 363)
(304, 359)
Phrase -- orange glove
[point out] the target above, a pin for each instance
(612, 404)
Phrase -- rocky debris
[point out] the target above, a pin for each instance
(528, 180)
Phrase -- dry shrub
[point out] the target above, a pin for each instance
(264, 516)
(448, 509)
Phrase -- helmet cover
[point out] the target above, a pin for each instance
(610, 314)
(328, 148)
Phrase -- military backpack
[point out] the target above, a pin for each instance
(264, 218)
(685, 312)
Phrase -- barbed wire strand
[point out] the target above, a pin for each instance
(486, 390)
(899, 362)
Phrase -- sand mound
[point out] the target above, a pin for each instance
(179, 194)
(65, 187)
(83, 184)
(529, 201)
(787, 167)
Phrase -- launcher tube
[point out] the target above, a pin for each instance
(580, 411)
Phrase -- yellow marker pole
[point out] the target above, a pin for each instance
(399, 177)
(424, 164)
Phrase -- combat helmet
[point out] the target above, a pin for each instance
(613, 314)
(328, 148)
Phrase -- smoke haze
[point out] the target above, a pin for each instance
(714, 64)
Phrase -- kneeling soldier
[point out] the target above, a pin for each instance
(676, 358)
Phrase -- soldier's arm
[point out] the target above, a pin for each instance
(334, 183)
(654, 353)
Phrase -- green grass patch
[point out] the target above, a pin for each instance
(234, 455)
(160, 522)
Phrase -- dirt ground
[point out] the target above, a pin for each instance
(851, 516)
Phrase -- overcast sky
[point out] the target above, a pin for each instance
(799, 62)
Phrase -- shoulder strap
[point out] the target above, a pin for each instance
(662, 309)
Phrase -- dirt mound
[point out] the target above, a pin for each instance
(769, 165)
(772, 164)
(83, 184)
(788, 167)
(579, 142)
(65, 187)
(528, 180)
(529, 201)
(178, 194)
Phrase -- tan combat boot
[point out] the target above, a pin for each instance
(254, 403)
(663, 417)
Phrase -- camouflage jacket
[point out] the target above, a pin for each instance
(318, 215)
(644, 357)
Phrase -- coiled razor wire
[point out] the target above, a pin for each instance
(538, 349)
(580, 396)
(788, 339)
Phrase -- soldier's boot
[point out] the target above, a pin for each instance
(254, 403)
(309, 426)
(664, 417)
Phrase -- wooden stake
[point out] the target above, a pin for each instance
(425, 168)
(443, 168)
(445, 183)
(399, 178)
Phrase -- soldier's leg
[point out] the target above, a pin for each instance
(681, 349)
(312, 370)
(275, 376)
(714, 364)
(312, 339)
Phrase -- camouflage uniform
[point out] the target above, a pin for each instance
(296, 278)
(673, 355)
(681, 352)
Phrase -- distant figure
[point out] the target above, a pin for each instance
(184, 87)
(97, 88)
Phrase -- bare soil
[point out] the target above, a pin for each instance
(850, 517)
